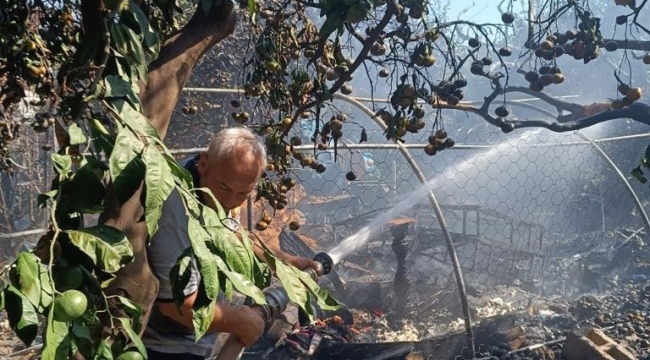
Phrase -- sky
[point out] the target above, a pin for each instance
(482, 10)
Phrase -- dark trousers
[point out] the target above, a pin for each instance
(154, 355)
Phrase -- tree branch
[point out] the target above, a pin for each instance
(178, 55)
(391, 8)
(638, 112)
(166, 78)
(557, 103)
(630, 44)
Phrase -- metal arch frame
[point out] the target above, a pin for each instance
(608, 160)
(432, 198)
(460, 280)
(357, 102)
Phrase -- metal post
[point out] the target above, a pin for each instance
(608, 160)
(602, 211)
(512, 233)
(460, 281)
(395, 176)
(464, 221)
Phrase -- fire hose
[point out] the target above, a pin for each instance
(277, 301)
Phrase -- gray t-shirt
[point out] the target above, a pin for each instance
(163, 334)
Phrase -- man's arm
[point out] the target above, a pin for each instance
(300, 262)
(245, 322)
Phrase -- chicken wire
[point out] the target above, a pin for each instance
(524, 211)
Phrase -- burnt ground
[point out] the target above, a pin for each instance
(609, 290)
(589, 280)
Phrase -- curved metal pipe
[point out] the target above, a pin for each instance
(608, 160)
(441, 220)
(432, 198)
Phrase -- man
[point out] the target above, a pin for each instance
(230, 169)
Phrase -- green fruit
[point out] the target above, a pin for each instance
(273, 66)
(130, 355)
(70, 277)
(70, 305)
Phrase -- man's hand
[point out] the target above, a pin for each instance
(245, 323)
(303, 263)
(251, 326)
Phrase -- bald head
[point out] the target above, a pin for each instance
(232, 166)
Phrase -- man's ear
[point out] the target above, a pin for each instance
(202, 163)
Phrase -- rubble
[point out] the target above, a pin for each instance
(594, 345)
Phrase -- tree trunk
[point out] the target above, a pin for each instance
(165, 81)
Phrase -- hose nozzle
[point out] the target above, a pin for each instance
(277, 298)
(326, 262)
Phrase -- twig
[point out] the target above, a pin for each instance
(23, 351)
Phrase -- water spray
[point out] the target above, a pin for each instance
(277, 301)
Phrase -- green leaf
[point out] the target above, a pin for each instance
(151, 216)
(126, 167)
(132, 118)
(42, 199)
(638, 174)
(202, 314)
(206, 5)
(325, 300)
(299, 285)
(204, 259)
(57, 342)
(29, 281)
(82, 339)
(104, 350)
(125, 41)
(99, 126)
(107, 247)
(133, 14)
(21, 314)
(225, 245)
(86, 189)
(47, 290)
(331, 23)
(131, 308)
(134, 311)
(116, 86)
(62, 164)
(76, 135)
(251, 8)
(102, 139)
(179, 275)
(159, 183)
(261, 273)
(126, 325)
(181, 175)
(293, 285)
(243, 284)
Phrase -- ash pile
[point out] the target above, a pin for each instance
(591, 281)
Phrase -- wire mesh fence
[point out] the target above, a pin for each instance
(529, 213)
(21, 220)
(515, 212)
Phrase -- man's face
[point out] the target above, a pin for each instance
(231, 180)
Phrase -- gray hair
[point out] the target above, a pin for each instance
(228, 141)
